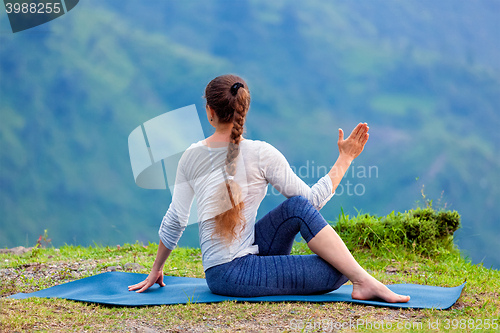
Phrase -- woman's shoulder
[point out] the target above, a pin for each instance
(193, 152)
(256, 143)
(263, 149)
(246, 144)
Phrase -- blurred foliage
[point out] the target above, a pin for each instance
(429, 91)
(424, 231)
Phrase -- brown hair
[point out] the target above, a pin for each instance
(229, 97)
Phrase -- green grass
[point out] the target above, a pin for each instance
(423, 231)
(392, 260)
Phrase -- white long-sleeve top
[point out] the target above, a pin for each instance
(200, 172)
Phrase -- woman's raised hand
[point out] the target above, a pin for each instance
(354, 144)
(154, 277)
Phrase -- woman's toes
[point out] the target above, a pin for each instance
(377, 290)
(403, 299)
(392, 297)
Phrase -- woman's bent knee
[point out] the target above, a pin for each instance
(297, 199)
(297, 204)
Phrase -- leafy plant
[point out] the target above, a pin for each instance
(422, 230)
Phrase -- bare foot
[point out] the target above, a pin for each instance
(370, 288)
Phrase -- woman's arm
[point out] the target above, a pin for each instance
(277, 171)
(349, 149)
(156, 275)
(172, 226)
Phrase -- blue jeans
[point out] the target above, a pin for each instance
(274, 271)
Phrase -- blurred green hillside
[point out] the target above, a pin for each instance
(424, 75)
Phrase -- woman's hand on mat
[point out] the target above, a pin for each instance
(354, 144)
(154, 277)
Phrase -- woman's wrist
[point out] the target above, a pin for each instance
(345, 158)
(341, 165)
(158, 266)
(339, 169)
(161, 257)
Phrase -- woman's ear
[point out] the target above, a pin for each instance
(211, 112)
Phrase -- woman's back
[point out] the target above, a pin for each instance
(201, 170)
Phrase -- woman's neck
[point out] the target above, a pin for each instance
(218, 140)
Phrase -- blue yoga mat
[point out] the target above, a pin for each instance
(111, 288)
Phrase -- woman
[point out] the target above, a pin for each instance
(229, 175)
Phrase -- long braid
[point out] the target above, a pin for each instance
(240, 107)
(229, 107)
